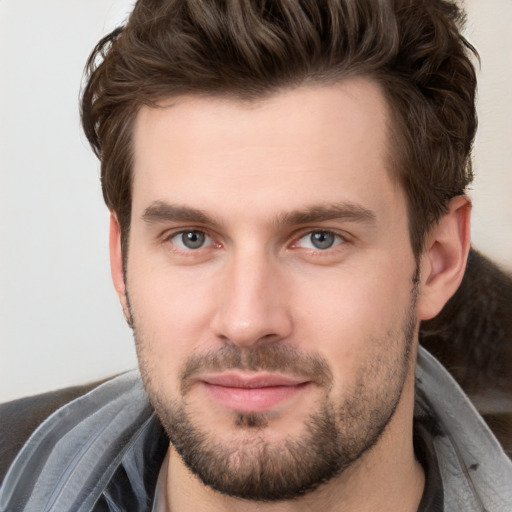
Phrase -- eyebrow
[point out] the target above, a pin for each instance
(347, 211)
(160, 211)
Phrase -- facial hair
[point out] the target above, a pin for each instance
(335, 435)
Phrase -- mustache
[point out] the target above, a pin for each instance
(270, 358)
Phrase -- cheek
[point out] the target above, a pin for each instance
(354, 316)
(171, 313)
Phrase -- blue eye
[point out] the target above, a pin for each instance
(320, 240)
(191, 240)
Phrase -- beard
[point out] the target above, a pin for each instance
(338, 432)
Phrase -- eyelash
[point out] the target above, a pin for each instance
(339, 240)
(169, 238)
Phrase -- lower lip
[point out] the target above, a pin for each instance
(253, 399)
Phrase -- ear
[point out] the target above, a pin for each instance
(116, 265)
(444, 259)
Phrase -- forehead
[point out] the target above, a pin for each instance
(307, 145)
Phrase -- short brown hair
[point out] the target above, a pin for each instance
(251, 48)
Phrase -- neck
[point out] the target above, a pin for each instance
(386, 478)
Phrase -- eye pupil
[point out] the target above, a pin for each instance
(193, 239)
(322, 239)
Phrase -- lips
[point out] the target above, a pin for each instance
(252, 393)
(251, 381)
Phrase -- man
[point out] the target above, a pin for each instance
(286, 181)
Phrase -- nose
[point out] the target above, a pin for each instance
(253, 305)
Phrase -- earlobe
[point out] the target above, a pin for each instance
(116, 265)
(444, 259)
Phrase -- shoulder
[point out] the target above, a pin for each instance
(20, 418)
(108, 436)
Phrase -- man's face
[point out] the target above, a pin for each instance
(270, 281)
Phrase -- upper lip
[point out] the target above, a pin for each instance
(260, 380)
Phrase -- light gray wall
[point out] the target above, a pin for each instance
(490, 30)
(60, 323)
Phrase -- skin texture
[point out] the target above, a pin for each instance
(259, 298)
